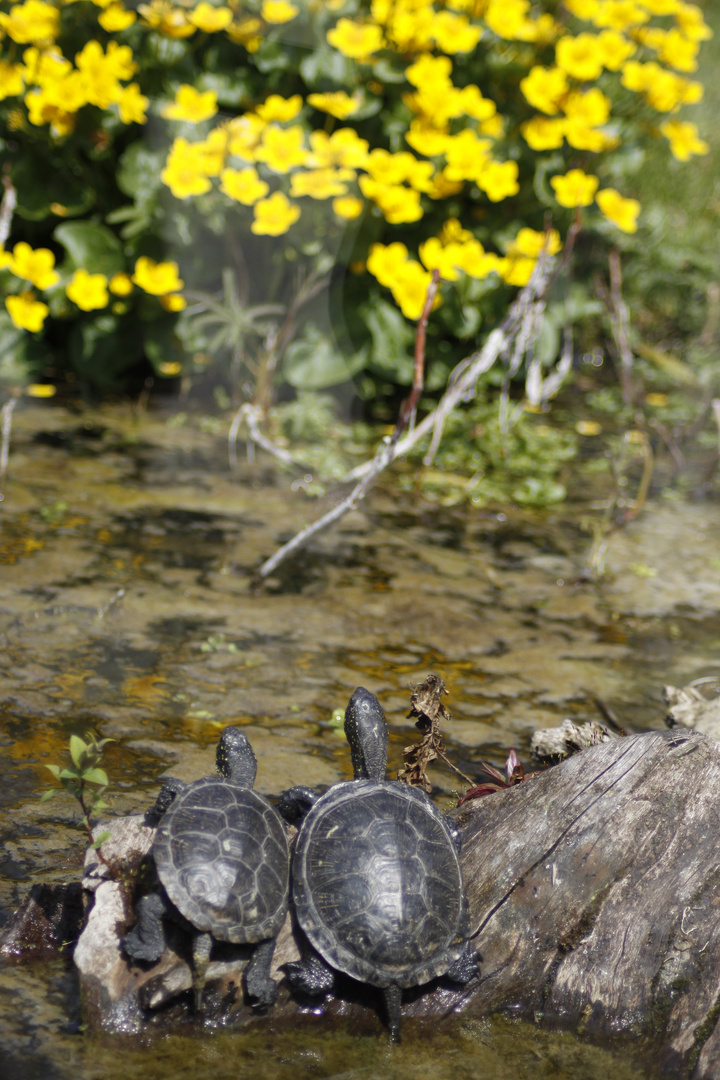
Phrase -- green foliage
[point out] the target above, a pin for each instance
(84, 780)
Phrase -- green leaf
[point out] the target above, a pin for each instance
(41, 181)
(139, 171)
(78, 751)
(90, 246)
(316, 362)
(55, 770)
(12, 350)
(392, 335)
(69, 774)
(95, 776)
(99, 840)
(327, 65)
(48, 794)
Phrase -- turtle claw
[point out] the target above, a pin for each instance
(310, 976)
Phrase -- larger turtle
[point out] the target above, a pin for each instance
(222, 860)
(377, 883)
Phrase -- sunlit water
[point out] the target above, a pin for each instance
(126, 553)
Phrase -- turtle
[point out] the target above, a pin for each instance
(376, 879)
(222, 860)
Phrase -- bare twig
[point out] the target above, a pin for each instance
(5, 431)
(7, 206)
(251, 415)
(620, 326)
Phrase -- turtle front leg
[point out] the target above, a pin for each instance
(311, 975)
(202, 944)
(258, 983)
(146, 940)
(393, 1000)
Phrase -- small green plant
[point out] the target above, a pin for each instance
(87, 782)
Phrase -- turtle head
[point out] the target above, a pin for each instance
(366, 731)
(235, 758)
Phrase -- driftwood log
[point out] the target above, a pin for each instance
(594, 892)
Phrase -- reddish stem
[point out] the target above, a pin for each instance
(410, 404)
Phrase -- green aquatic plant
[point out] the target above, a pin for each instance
(86, 782)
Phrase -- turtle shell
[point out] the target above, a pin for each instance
(377, 884)
(221, 853)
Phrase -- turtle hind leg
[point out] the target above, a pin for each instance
(258, 984)
(202, 944)
(393, 999)
(146, 940)
(311, 975)
(466, 967)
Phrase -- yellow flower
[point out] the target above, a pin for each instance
(246, 32)
(11, 80)
(620, 14)
(679, 52)
(34, 266)
(581, 56)
(356, 40)
(499, 179)
(191, 104)
(278, 11)
(576, 188)
(588, 427)
(279, 108)
(466, 155)
(337, 103)
(389, 168)
(544, 87)
(274, 216)
(385, 261)
(31, 22)
(427, 139)
(169, 367)
(88, 291)
(443, 258)
(120, 284)
(343, 148)
(582, 137)
(454, 33)
(244, 134)
(212, 152)
(530, 243)
(542, 133)
(210, 19)
(320, 183)
(453, 232)
(517, 270)
(115, 18)
(282, 148)
(430, 72)
(348, 207)
(41, 390)
(26, 312)
(157, 278)
(589, 106)
(621, 211)
(410, 288)
(397, 204)
(170, 21)
(173, 302)
(689, 18)
(244, 186)
(132, 105)
(475, 105)
(584, 9)
(184, 173)
(684, 139)
(616, 49)
(507, 18)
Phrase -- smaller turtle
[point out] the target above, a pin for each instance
(222, 859)
(377, 883)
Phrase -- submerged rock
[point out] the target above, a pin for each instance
(689, 707)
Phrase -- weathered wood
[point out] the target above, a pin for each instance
(595, 899)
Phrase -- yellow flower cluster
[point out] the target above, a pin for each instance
(89, 292)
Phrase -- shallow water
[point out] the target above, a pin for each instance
(126, 553)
